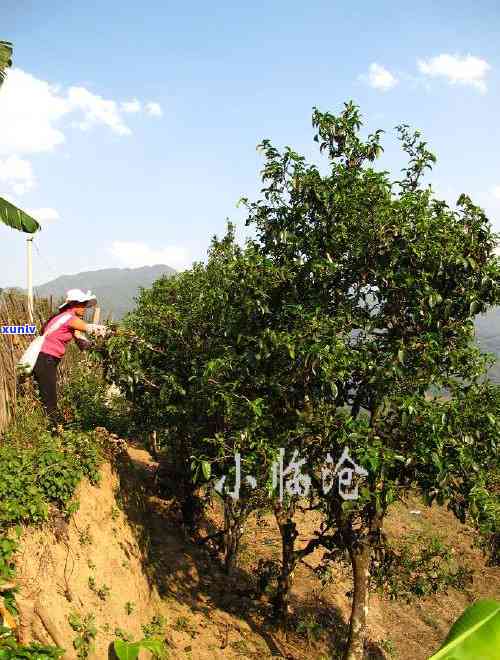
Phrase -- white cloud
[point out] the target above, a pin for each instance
(457, 69)
(32, 116)
(495, 191)
(96, 110)
(131, 106)
(153, 109)
(29, 110)
(133, 254)
(379, 77)
(32, 112)
(17, 174)
(44, 215)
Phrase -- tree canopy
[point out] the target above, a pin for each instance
(330, 332)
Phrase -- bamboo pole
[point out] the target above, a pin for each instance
(29, 244)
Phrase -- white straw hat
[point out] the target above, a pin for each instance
(77, 295)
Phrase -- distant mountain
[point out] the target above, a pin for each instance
(115, 288)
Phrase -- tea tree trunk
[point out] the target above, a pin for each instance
(361, 552)
(360, 561)
(288, 531)
(234, 520)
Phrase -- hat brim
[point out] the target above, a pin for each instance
(92, 302)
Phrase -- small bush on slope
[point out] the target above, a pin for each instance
(87, 403)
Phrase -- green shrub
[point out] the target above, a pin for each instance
(86, 634)
(87, 403)
(156, 627)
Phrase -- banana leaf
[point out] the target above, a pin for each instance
(5, 58)
(475, 635)
(13, 217)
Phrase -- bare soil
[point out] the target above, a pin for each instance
(130, 543)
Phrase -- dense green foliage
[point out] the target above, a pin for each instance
(48, 473)
(417, 567)
(10, 649)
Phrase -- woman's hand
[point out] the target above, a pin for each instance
(96, 329)
(83, 343)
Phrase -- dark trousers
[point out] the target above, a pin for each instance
(45, 373)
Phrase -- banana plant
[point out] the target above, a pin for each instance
(475, 634)
(10, 215)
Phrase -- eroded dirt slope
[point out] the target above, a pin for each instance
(123, 559)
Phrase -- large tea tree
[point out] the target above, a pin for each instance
(403, 275)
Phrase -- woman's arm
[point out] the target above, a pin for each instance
(78, 324)
(89, 328)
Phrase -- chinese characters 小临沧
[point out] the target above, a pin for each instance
(293, 480)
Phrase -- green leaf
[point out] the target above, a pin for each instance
(126, 650)
(206, 469)
(13, 217)
(474, 307)
(130, 650)
(475, 634)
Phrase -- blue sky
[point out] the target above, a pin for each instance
(130, 130)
